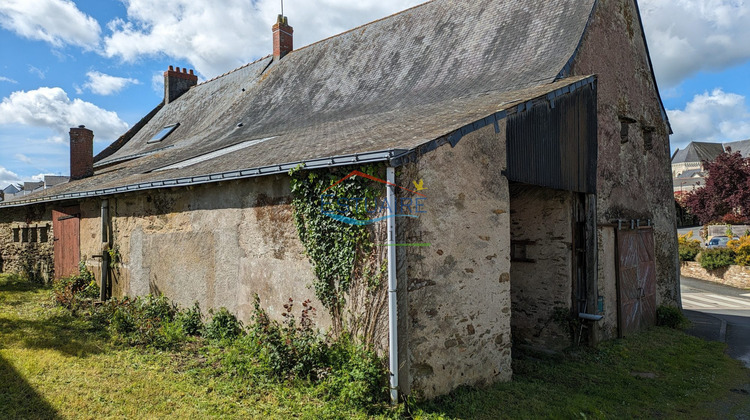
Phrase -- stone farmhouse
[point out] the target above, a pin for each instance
(536, 129)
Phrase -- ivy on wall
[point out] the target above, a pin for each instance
(334, 248)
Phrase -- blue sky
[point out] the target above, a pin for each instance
(100, 63)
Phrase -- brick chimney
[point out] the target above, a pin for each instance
(177, 82)
(81, 152)
(282, 38)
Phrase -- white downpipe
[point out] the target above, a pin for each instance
(392, 284)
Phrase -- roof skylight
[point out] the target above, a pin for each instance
(161, 135)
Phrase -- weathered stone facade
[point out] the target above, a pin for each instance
(457, 317)
(734, 275)
(541, 266)
(214, 244)
(27, 241)
(634, 175)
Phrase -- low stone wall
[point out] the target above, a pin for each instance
(734, 275)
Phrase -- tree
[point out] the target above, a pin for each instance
(726, 194)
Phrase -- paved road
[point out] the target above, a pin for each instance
(696, 232)
(719, 313)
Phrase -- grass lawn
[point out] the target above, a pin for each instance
(53, 365)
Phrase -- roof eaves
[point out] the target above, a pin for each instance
(455, 136)
(328, 162)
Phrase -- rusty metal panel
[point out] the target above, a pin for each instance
(553, 144)
(636, 280)
(67, 251)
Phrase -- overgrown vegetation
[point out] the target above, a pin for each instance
(670, 317)
(57, 365)
(335, 249)
(688, 248)
(266, 350)
(73, 291)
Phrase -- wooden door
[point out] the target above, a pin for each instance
(636, 280)
(66, 228)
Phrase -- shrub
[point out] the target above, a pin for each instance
(712, 259)
(688, 248)
(70, 291)
(191, 320)
(741, 248)
(670, 316)
(292, 348)
(148, 320)
(224, 326)
(358, 377)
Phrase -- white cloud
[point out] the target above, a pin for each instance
(717, 116)
(23, 158)
(52, 109)
(7, 177)
(221, 35)
(38, 72)
(689, 36)
(57, 22)
(7, 79)
(104, 84)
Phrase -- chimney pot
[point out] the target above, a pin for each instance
(282, 38)
(177, 82)
(81, 152)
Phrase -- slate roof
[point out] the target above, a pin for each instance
(692, 173)
(698, 152)
(739, 146)
(373, 92)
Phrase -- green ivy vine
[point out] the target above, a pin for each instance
(333, 247)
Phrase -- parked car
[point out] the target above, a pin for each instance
(719, 241)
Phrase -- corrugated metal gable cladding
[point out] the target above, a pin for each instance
(553, 143)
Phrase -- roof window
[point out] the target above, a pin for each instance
(161, 135)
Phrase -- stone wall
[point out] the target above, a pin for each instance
(216, 244)
(26, 241)
(541, 266)
(634, 170)
(607, 328)
(456, 320)
(734, 275)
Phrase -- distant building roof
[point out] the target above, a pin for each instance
(693, 173)
(698, 152)
(739, 146)
(10, 189)
(31, 186)
(52, 180)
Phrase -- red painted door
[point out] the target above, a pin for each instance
(66, 224)
(636, 280)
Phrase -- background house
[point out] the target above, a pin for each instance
(688, 164)
(545, 156)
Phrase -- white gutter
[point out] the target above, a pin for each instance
(392, 284)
